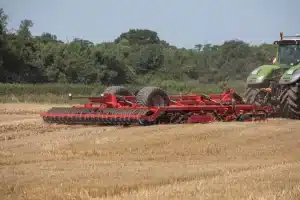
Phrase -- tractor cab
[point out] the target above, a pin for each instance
(288, 51)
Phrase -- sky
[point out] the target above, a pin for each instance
(181, 23)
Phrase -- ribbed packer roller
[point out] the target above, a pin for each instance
(96, 116)
(152, 105)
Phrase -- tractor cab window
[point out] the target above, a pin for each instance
(289, 54)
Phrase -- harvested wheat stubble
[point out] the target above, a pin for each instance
(13, 117)
(30, 127)
(211, 161)
(24, 109)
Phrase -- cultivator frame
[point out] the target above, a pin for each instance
(152, 105)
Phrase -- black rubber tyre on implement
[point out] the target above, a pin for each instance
(152, 97)
(118, 90)
(290, 101)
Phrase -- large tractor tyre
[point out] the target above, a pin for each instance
(254, 96)
(152, 96)
(118, 90)
(290, 102)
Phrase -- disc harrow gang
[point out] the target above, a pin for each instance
(152, 105)
(95, 116)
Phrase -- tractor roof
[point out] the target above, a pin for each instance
(295, 39)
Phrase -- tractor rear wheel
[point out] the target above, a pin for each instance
(118, 90)
(152, 96)
(290, 101)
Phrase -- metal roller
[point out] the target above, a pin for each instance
(85, 116)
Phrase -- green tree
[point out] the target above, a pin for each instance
(137, 56)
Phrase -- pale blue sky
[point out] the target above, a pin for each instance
(181, 23)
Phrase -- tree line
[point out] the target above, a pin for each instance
(137, 56)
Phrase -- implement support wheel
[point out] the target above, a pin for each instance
(118, 90)
(152, 97)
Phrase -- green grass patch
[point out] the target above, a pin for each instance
(58, 93)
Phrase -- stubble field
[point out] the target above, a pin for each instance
(211, 161)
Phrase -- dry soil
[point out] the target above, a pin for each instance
(210, 161)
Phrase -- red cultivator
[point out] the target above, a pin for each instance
(152, 105)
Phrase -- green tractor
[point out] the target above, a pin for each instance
(278, 84)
